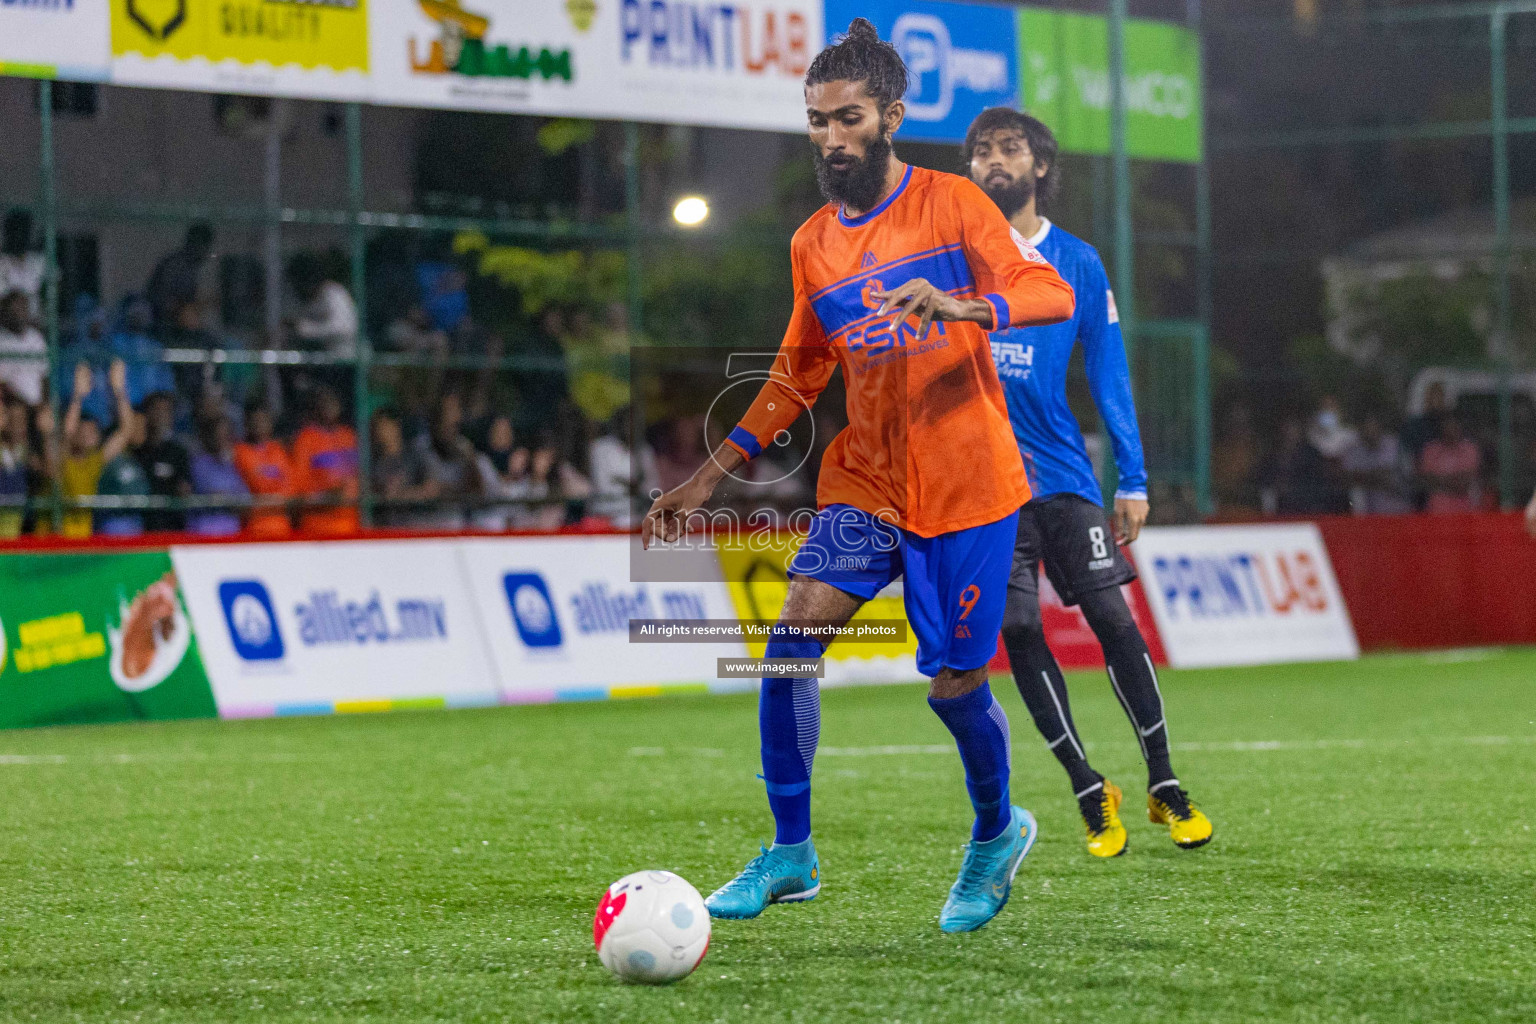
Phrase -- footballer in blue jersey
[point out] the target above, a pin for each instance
(1012, 156)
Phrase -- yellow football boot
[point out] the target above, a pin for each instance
(1188, 826)
(1101, 820)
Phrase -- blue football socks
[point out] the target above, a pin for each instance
(789, 721)
(980, 729)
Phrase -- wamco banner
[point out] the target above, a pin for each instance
(1064, 61)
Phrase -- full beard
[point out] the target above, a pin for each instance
(1011, 197)
(857, 186)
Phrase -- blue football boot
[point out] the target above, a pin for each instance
(785, 874)
(986, 877)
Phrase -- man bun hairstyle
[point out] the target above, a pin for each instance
(862, 56)
(1042, 143)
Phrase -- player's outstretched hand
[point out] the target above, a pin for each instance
(1130, 517)
(1530, 517)
(669, 513)
(919, 298)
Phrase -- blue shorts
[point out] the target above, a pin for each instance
(956, 583)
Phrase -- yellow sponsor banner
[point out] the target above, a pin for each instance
(311, 34)
(755, 571)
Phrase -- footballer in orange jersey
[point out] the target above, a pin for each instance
(897, 281)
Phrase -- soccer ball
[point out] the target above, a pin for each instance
(651, 928)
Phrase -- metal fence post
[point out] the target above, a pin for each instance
(1502, 333)
(1125, 258)
(48, 169)
(362, 368)
(1204, 308)
(635, 295)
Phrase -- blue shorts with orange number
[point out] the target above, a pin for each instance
(955, 584)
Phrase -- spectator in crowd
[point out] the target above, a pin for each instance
(1448, 469)
(23, 350)
(124, 477)
(1376, 470)
(13, 464)
(1419, 430)
(326, 318)
(521, 477)
(264, 465)
(78, 460)
(399, 473)
(325, 468)
(612, 464)
(1300, 480)
(132, 342)
(1235, 466)
(444, 291)
(177, 292)
(214, 474)
(22, 269)
(679, 443)
(1328, 433)
(449, 461)
(413, 333)
(87, 343)
(166, 462)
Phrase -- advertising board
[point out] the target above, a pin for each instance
(1244, 595)
(736, 65)
(319, 627)
(556, 614)
(96, 638)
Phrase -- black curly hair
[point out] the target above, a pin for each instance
(862, 56)
(1042, 143)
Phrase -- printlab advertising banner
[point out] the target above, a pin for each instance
(1244, 595)
(335, 626)
(268, 47)
(556, 616)
(96, 638)
(676, 61)
(54, 39)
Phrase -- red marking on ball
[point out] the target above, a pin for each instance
(703, 952)
(607, 911)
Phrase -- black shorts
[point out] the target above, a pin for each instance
(1074, 538)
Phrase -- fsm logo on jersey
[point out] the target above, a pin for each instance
(961, 58)
(251, 619)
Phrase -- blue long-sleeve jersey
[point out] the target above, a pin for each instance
(1032, 364)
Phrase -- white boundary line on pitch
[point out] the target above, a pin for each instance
(1228, 746)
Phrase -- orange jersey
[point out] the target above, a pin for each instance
(325, 460)
(267, 471)
(928, 446)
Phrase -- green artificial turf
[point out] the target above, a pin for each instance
(1373, 861)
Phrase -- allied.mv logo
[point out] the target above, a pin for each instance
(251, 619)
(533, 613)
